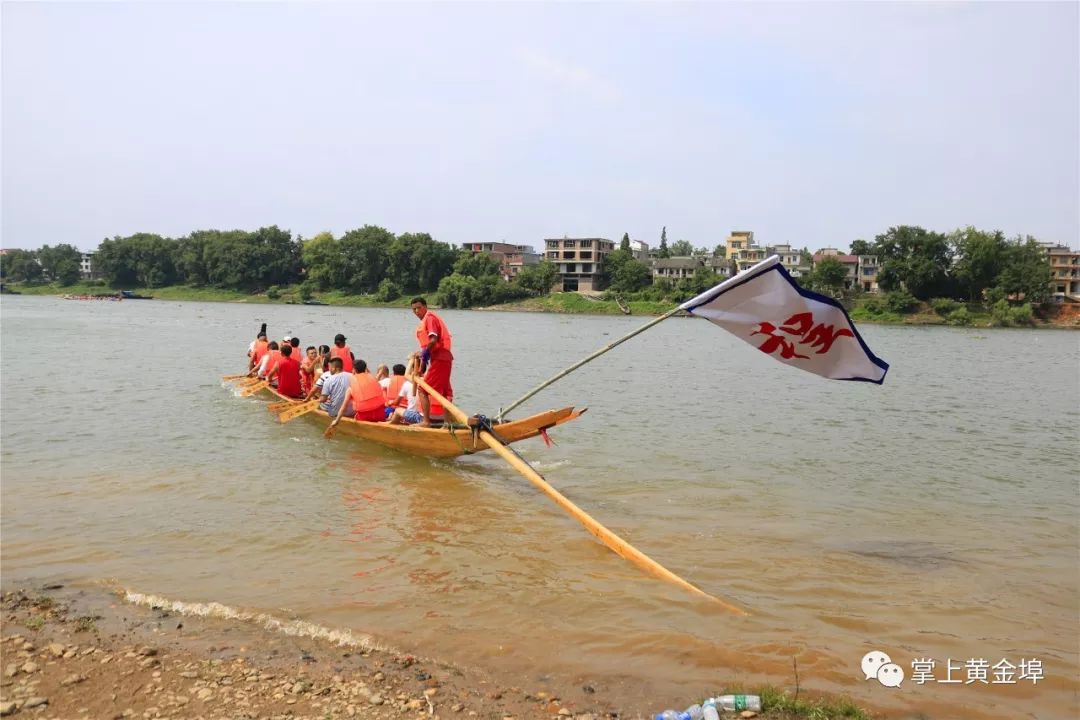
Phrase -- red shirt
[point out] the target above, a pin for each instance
(433, 324)
(288, 377)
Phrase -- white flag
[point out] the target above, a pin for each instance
(766, 308)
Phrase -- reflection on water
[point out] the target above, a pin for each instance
(935, 516)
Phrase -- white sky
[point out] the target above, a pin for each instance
(812, 124)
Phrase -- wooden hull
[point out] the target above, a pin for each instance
(442, 442)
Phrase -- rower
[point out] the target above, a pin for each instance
(365, 396)
(268, 361)
(307, 370)
(343, 351)
(258, 348)
(435, 340)
(334, 390)
(287, 371)
(404, 410)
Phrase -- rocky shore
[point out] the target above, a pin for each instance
(71, 654)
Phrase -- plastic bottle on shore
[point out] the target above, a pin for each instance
(733, 703)
(693, 712)
(709, 712)
(667, 715)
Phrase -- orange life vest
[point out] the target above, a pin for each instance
(275, 355)
(345, 353)
(393, 390)
(365, 392)
(261, 348)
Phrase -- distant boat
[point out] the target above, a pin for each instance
(314, 302)
(128, 295)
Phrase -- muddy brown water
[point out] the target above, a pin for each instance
(934, 517)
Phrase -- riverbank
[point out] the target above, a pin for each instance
(90, 653)
(1051, 316)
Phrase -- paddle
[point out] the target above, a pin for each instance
(301, 409)
(283, 405)
(254, 388)
(613, 541)
(234, 377)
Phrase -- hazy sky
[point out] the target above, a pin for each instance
(811, 124)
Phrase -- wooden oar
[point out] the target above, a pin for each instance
(283, 405)
(295, 412)
(254, 388)
(234, 377)
(613, 541)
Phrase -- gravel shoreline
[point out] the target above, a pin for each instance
(72, 653)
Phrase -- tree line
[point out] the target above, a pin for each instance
(968, 265)
(367, 260)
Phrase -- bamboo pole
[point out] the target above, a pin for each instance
(617, 544)
(503, 412)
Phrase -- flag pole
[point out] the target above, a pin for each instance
(688, 305)
(579, 363)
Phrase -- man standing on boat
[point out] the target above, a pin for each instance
(435, 341)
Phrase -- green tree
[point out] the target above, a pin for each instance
(1026, 272)
(720, 250)
(828, 276)
(663, 252)
(476, 265)
(631, 276)
(60, 263)
(916, 259)
(432, 260)
(538, 279)
(388, 291)
(861, 247)
(365, 258)
(322, 260)
(20, 266)
(625, 244)
(682, 248)
(611, 264)
(980, 259)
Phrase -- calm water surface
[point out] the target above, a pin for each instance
(933, 517)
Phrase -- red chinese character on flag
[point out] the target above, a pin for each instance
(800, 325)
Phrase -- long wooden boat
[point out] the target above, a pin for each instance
(444, 442)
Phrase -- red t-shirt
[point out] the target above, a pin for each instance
(288, 377)
(432, 324)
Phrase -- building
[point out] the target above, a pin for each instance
(790, 258)
(86, 266)
(640, 250)
(1065, 273)
(850, 263)
(512, 258)
(867, 273)
(676, 268)
(580, 261)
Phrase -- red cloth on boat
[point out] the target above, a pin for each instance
(376, 415)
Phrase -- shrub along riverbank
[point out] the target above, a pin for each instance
(891, 309)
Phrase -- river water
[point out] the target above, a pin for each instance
(934, 517)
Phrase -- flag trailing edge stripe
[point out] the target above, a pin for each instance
(772, 264)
